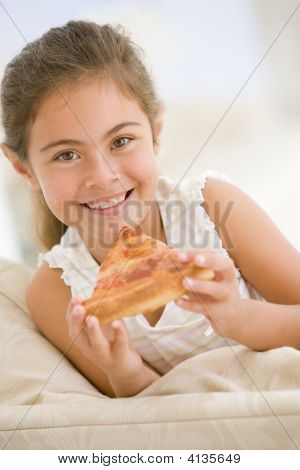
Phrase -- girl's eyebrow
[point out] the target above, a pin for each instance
(74, 141)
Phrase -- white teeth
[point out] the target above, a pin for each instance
(106, 204)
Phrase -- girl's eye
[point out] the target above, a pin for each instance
(69, 153)
(117, 144)
(120, 142)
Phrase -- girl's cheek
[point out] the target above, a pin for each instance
(143, 171)
(60, 191)
(61, 201)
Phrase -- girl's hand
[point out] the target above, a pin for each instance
(108, 346)
(218, 299)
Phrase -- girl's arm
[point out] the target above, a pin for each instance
(267, 326)
(126, 386)
(266, 260)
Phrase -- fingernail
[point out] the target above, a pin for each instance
(76, 300)
(90, 321)
(188, 282)
(183, 256)
(116, 324)
(77, 311)
(200, 260)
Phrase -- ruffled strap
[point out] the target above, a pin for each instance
(186, 222)
(79, 269)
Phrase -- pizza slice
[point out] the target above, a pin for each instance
(138, 275)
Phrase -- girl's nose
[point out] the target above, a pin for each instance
(100, 172)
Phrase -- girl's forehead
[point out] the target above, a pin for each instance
(74, 110)
(92, 95)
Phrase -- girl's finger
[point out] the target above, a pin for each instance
(73, 302)
(76, 327)
(218, 263)
(121, 342)
(188, 304)
(212, 259)
(108, 331)
(75, 320)
(217, 290)
(98, 341)
(189, 255)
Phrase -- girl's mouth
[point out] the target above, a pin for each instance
(110, 210)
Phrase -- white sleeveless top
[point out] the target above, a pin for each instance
(179, 334)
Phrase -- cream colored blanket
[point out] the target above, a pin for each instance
(229, 398)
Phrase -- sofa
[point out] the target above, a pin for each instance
(228, 398)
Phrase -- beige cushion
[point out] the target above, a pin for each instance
(229, 398)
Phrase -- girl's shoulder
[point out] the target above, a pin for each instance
(188, 188)
(78, 268)
(39, 293)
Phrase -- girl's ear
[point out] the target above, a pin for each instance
(159, 121)
(20, 167)
(158, 125)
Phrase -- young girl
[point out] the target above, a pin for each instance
(82, 122)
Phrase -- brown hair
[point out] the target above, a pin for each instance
(63, 55)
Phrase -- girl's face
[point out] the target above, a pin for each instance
(90, 143)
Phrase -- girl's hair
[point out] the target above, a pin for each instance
(67, 55)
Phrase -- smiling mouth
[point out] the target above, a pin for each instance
(126, 197)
